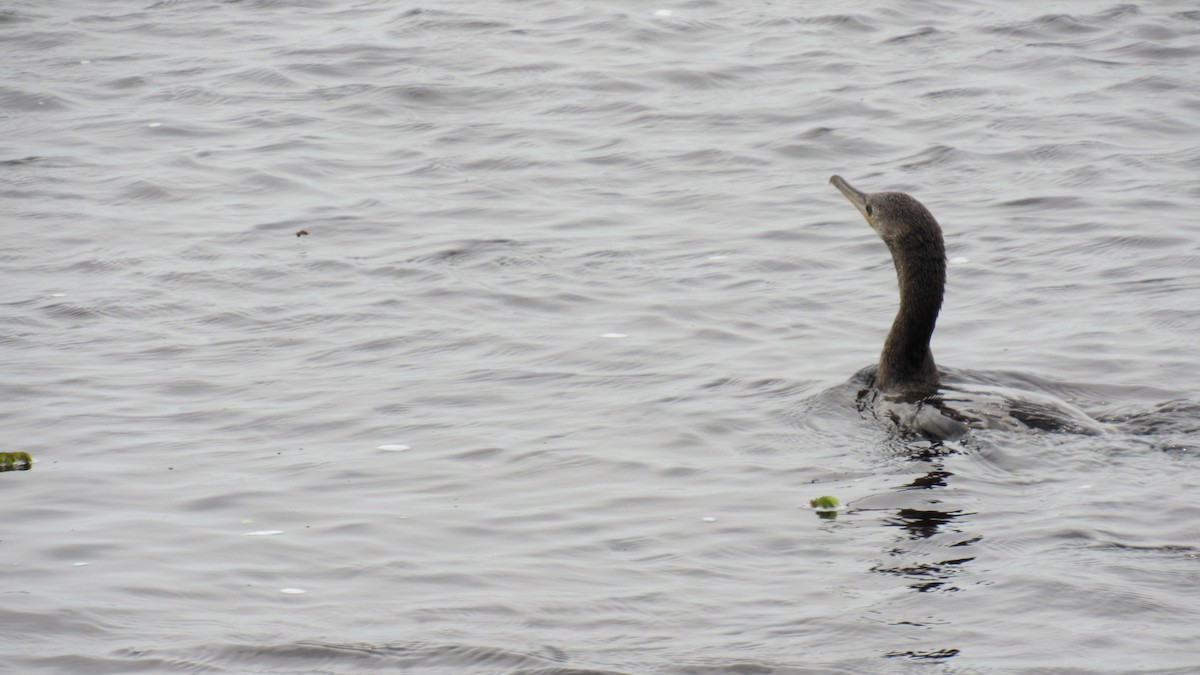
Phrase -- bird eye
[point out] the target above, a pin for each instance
(868, 209)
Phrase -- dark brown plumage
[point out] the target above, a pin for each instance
(907, 387)
(906, 366)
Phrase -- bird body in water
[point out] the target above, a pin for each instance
(907, 386)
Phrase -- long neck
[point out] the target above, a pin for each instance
(906, 365)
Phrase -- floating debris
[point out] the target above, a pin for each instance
(302, 233)
(824, 503)
(826, 506)
(15, 461)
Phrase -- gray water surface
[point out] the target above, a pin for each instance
(569, 343)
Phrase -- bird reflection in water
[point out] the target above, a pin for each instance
(923, 550)
(924, 524)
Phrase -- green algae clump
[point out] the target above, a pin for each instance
(15, 461)
(824, 503)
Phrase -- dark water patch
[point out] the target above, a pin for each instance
(1049, 203)
(918, 34)
(925, 523)
(1051, 25)
(474, 251)
(21, 161)
(830, 145)
(1175, 551)
(8, 15)
(128, 82)
(925, 655)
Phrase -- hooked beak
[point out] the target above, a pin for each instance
(857, 198)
